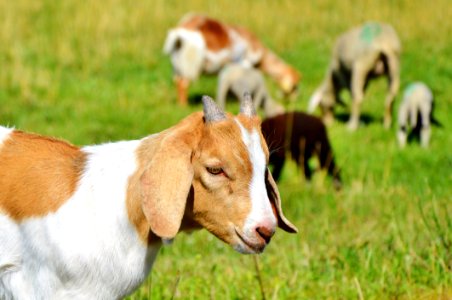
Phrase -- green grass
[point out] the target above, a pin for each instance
(92, 72)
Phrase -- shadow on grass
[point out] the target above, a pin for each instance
(364, 118)
(195, 99)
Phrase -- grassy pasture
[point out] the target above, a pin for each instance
(93, 71)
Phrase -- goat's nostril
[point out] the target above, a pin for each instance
(266, 233)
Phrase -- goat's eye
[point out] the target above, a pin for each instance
(214, 170)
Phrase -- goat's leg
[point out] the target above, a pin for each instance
(328, 115)
(260, 97)
(402, 135)
(306, 169)
(402, 132)
(325, 156)
(222, 90)
(425, 136)
(393, 87)
(425, 129)
(182, 85)
(326, 160)
(359, 73)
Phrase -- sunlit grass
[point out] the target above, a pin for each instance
(93, 72)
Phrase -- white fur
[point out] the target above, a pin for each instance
(4, 134)
(88, 249)
(194, 57)
(188, 60)
(417, 100)
(261, 211)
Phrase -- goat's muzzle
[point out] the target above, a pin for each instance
(254, 245)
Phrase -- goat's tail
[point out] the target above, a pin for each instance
(190, 49)
(173, 42)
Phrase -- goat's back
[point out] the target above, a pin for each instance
(286, 130)
(363, 40)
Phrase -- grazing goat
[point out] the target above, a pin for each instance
(359, 55)
(87, 223)
(416, 109)
(303, 135)
(202, 45)
(240, 79)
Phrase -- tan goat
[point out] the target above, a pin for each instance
(359, 55)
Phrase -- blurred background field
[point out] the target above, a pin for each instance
(93, 71)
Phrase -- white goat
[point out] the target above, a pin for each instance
(239, 79)
(416, 111)
(87, 223)
(202, 45)
(360, 54)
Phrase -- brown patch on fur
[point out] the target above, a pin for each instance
(37, 174)
(215, 33)
(254, 42)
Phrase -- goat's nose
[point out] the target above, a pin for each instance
(265, 232)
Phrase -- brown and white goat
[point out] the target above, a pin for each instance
(359, 55)
(202, 45)
(87, 223)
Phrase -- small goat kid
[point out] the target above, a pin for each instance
(302, 135)
(359, 55)
(202, 45)
(415, 110)
(242, 79)
(87, 223)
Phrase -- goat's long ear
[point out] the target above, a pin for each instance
(166, 183)
(275, 199)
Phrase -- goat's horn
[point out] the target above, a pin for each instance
(247, 106)
(212, 113)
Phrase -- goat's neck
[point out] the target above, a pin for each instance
(274, 66)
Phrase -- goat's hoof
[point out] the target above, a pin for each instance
(337, 184)
(352, 125)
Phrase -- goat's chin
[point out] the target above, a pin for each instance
(239, 240)
(245, 245)
(245, 249)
